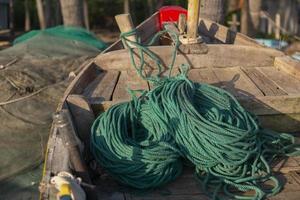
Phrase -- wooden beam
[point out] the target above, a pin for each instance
(102, 87)
(125, 24)
(193, 17)
(288, 65)
(272, 105)
(145, 31)
(267, 86)
(80, 109)
(217, 56)
(182, 21)
(128, 80)
(223, 34)
(277, 26)
(286, 82)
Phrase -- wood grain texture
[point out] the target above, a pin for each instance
(80, 109)
(145, 30)
(286, 82)
(101, 89)
(224, 35)
(267, 86)
(236, 82)
(218, 56)
(204, 76)
(272, 105)
(187, 187)
(128, 80)
(288, 65)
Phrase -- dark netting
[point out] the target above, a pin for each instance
(39, 68)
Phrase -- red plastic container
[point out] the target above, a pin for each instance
(170, 14)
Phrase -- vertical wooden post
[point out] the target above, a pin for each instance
(41, 13)
(182, 23)
(245, 17)
(234, 23)
(193, 19)
(27, 16)
(125, 24)
(270, 27)
(86, 14)
(278, 25)
(126, 6)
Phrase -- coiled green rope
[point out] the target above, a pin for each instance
(141, 142)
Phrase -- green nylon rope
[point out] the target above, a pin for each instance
(142, 142)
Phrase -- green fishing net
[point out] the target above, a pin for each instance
(39, 61)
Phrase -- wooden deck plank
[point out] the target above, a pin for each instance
(81, 109)
(203, 76)
(168, 197)
(222, 57)
(128, 80)
(267, 86)
(236, 82)
(101, 89)
(288, 65)
(286, 82)
(186, 187)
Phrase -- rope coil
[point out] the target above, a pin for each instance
(142, 142)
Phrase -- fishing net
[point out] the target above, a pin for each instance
(65, 32)
(33, 76)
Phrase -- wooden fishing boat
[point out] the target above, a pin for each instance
(264, 80)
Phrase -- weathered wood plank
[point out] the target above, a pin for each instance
(286, 123)
(218, 56)
(288, 65)
(186, 187)
(145, 30)
(291, 189)
(128, 80)
(204, 76)
(289, 164)
(167, 197)
(268, 87)
(80, 109)
(272, 105)
(101, 89)
(225, 35)
(236, 82)
(286, 82)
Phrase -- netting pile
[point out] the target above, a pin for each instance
(40, 63)
(142, 142)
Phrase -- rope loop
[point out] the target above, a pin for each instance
(142, 142)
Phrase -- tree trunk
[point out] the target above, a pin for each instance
(126, 6)
(27, 16)
(150, 7)
(245, 18)
(254, 11)
(11, 18)
(47, 8)
(57, 12)
(72, 12)
(159, 4)
(251, 17)
(213, 10)
(41, 14)
(86, 14)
